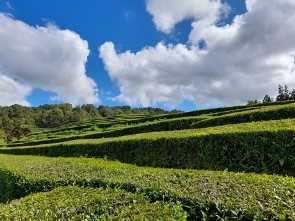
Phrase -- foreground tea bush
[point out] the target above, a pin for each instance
(252, 147)
(88, 204)
(204, 195)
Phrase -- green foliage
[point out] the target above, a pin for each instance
(2, 138)
(73, 203)
(292, 95)
(216, 118)
(283, 93)
(261, 114)
(252, 102)
(267, 99)
(255, 147)
(205, 195)
(48, 116)
(223, 139)
(16, 132)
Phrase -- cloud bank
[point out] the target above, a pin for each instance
(11, 92)
(43, 57)
(241, 61)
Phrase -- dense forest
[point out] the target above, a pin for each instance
(16, 121)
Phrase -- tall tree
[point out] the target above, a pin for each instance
(286, 93)
(267, 99)
(283, 93)
(292, 95)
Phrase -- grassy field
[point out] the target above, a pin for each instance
(235, 163)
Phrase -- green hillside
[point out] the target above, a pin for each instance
(2, 138)
(235, 163)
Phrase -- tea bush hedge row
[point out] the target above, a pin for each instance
(136, 121)
(226, 109)
(167, 125)
(253, 147)
(270, 113)
(247, 115)
(88, 204)
(205, 195)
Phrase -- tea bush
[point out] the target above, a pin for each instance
(74, 203)
(205, 195)
(252, 147)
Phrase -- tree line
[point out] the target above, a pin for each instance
(284, 94)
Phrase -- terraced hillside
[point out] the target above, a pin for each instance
(235, 163)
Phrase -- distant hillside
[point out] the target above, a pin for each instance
(18, 121)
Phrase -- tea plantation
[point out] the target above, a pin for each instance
(235, 163)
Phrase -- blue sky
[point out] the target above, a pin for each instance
(125, 23)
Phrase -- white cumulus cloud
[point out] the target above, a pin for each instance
(12, 92)
(167, 13)
(243, 60)
(47, 58)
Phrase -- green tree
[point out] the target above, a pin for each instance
(252, 102)
(54, 118)
(90, 109)
(267, 99)
(105, 111)
(283, 93)
(292, 95)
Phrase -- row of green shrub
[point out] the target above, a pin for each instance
(225, 109)
(101, 123)
(77, 127)
(205, 195)
(253, 147)
(242, 116)
(265, 113)
(88, 204)
(270, 113)
(220, 110)
(149, 119)
(165, 125)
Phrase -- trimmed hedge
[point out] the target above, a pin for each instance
(167, 125)
(204, 195)
(226, 109)
(247, 114)
(270, 113)
(73, 203)
(136, 121)
(253, 147)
